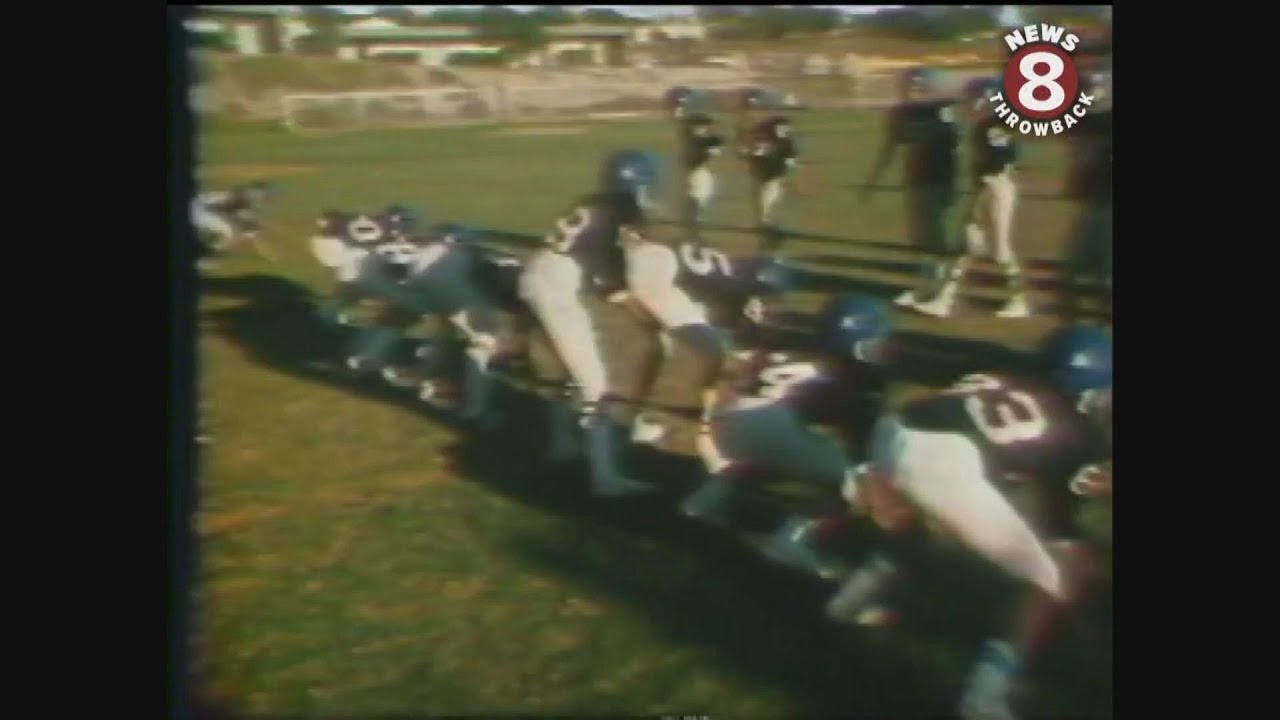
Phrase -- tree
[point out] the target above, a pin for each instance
(326, 30)
(398, 14)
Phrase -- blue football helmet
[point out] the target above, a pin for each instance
(762, 99)
(682, 101)
(855, 324)
(772, 276)
(401, 218)
(633, 171)
(1079, 359)
(921, 80)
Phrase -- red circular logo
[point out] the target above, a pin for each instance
(1040, 81)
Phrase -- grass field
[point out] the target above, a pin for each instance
(361, 558)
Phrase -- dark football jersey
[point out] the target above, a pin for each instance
(697, 148)
(498, 276)
(589, 234)
(928, 131)
(992, 146)
(768, 155)
(1025, 430)
(842, 393)
(715, 280)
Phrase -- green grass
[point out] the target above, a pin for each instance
(362, 558)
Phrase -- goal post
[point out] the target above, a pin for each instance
(333, 112)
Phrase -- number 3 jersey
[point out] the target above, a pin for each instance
(589, 234)
(1025, 431)
(841, 393)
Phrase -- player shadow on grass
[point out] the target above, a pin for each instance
(701, 586)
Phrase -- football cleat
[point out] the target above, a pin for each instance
(1017, 307)
(792, 545)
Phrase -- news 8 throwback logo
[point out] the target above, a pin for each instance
(1042, 93)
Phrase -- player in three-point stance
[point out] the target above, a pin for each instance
(764, 420)
(989, 228)
(699, 144)
(694, 297)
(943, 457)
(924, 123)
(363, 251)
(226, 218)
(583, 255)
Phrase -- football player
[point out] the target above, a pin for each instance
(923, 123)
(448, 276)
(765, 416)
(226, 218)
(945, 457)
(684, 295)
(346, 244)
(769, 149)
(583, 255)
(366, 253)
(701, 143)
(993, 152)
(1089, 185)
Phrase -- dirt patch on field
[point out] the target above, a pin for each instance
(253, 172)
(541, 131)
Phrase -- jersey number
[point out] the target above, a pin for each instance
(364, 230)
(777, 381)
(703, 261)
(569, 229)
(1005, 416)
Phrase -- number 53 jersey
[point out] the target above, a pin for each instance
(1023, 429)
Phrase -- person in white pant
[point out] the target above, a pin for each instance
(945, 457)
(226, 218)
(583, 255)
(989, 228)
(699, 143)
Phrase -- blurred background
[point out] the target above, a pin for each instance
(330, 67)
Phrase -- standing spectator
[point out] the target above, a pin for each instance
(699, 142)
(988, 229)
(924, 122)
(768, 146)
(1089, 185)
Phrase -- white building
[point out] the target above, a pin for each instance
(433, 46)
(673, 29)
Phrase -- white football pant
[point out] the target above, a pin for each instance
(770, 196)
(651, 277)
(702, 186)
(943, 474)
(991, 219)
(210, 222)
(551, 283)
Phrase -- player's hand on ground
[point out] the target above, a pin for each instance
(873, 493)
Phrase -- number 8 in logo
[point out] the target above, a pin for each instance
(1041, 82)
